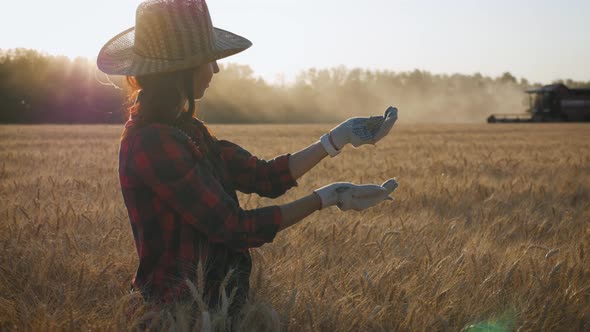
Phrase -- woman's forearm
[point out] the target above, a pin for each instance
(297, 210)
(302, 161)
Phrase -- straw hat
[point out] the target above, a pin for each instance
(169, 35)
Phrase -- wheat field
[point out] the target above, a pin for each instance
(490, 228)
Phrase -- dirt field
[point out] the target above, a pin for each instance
(490, 228)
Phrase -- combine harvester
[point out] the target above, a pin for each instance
(551, 103)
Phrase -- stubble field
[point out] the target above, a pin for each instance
(490, 229)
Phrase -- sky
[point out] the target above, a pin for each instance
(542, 40)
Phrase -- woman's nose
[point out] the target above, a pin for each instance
(215, 67)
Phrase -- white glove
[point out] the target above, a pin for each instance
(359, 131)
(349, 196)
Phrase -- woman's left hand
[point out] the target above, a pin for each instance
(365, 196)
(359, 131)
(348, 196)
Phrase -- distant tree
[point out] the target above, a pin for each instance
(40, 88)
(508, 78)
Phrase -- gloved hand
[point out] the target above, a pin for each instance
(349, 196)
(359, 131)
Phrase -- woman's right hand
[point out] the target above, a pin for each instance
(361, 130)
(348, 196)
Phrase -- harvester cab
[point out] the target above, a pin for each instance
(544, 103)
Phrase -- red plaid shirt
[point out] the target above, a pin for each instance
(179, 189)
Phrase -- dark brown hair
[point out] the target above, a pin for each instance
(153, 98)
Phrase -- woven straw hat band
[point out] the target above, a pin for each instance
(173, 30)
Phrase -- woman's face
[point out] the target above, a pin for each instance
(202, 77)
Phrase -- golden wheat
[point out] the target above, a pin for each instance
(488, 220)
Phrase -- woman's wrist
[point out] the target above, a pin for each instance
(317, 201)
(318, 145)
(332, 142)
(295, 211)
(328, 145)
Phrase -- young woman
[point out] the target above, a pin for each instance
(179, 182)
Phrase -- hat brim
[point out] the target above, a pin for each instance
(117, 56)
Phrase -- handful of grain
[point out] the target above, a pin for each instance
(374, 123)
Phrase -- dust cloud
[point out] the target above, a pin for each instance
(331, 95)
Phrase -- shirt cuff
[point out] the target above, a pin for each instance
(267, 224)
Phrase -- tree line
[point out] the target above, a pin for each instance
(41, 88)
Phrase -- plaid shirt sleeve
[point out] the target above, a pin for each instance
(252, 175)
(171, 165)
